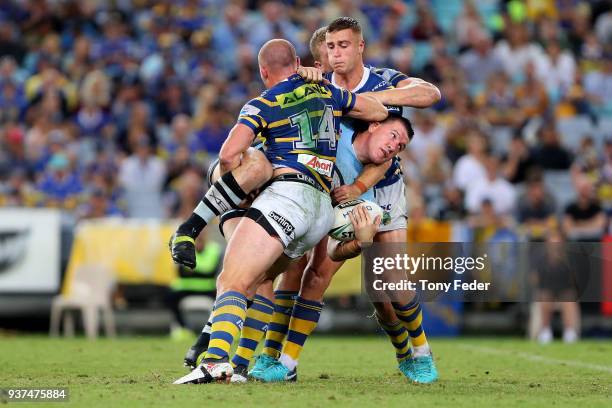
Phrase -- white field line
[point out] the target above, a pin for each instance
(537, 358)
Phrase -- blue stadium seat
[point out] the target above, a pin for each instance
(561, 186)
(572, 131)
(500, 139)
(422, 54)
(604, 129)
(446, 12)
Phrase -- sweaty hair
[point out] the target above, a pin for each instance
(344, 23)
(318, 37)
(277, 54)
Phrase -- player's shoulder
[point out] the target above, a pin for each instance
(392, 76)
(260, 103)
(376, 82)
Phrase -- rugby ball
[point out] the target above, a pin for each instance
(343, 227)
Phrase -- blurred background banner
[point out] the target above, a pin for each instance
(29, 250)
(135, 251)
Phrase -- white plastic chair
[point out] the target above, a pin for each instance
(91, 295)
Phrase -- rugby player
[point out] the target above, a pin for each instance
(418, 96)
(293, 213)
(401, 319)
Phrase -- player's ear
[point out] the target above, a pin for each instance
(317, 64)
(372, 126)
(263, 72)
(297, 62)
(361, 45)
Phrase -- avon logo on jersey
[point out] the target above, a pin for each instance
(321, 166)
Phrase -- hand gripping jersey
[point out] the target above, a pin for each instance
(300, 123)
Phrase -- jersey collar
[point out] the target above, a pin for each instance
(364, 79)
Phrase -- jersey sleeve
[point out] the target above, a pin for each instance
(255, 114)
(344, 100)
(392, 76)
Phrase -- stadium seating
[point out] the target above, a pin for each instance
(573, 130)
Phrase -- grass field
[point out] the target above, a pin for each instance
(336, 371)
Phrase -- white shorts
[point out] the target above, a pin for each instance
(392, 199)
(297, 213)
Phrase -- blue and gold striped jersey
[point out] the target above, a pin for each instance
(300, 123)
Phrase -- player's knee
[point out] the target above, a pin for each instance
(229, 282)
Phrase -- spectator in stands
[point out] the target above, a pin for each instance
(584, 219)
(550, 154)
(17, 191)
(428, 134)
(274, 24)
(518, 160)
(556, 69)
(536, 209)
(471, 167)
(426, 26)
(531, 96)
(12, 151)
(604, 186)
(142, 176)
(91, 118)
(468, 26)
(515, 50)
(212, 135)
(453, 205)
(480, 62)
(138, 124)
(98, 205)
(598, 85)
(499, 102)
(60, 187)
(492, 187)
(556, 278)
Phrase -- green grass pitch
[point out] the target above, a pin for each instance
(334, 371)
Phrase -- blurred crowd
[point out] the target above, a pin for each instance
(115, 108)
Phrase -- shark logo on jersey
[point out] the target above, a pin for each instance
(321, 166)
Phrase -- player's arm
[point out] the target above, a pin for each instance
(238, 141)
(423, 93)
(368, 108)
(369, 176)
(412, 92)
(365, 229)
(357, 106)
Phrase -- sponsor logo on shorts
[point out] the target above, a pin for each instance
(288, 228)
(321, 166)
